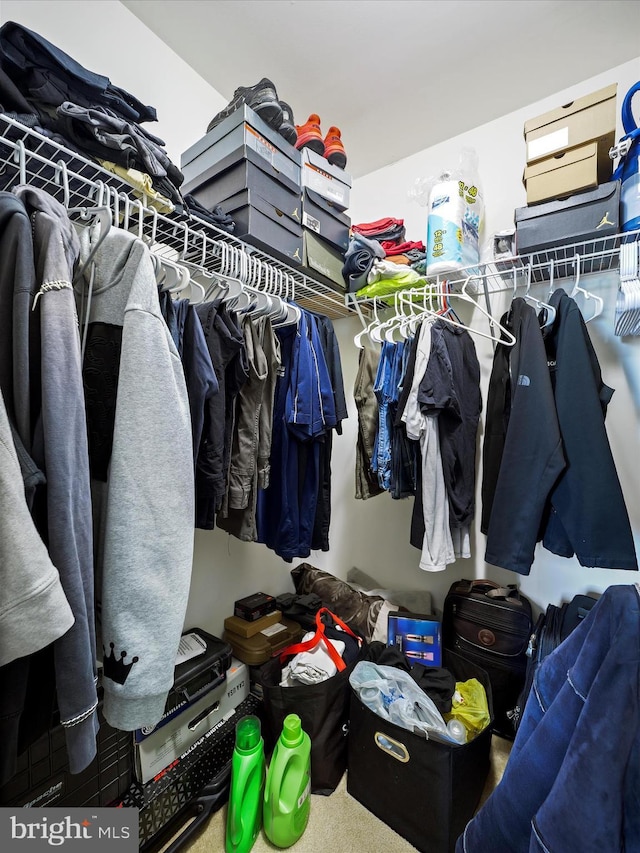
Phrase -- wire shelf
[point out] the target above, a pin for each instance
(28, 157)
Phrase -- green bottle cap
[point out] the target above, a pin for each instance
(248, 733)
(292, 730)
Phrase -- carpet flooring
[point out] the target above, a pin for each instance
(340, 823)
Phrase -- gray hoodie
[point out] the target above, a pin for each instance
(140, 425)
(34, 610)
(60, 449)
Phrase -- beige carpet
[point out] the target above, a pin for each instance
(339, 823)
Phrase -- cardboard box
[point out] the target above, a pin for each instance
(325, 219)
(242, 128)
(243, 628)
(568, 172)
(416, 636)
(166, 744)
(328, 181)
(591, 118)
(264, 225)
(585, 216)
(164, 800)
(323, 261)
(244, 169)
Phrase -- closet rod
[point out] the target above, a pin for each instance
(28, 157)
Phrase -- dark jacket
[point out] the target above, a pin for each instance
(572, 780)
(523, 454)
(588, 515)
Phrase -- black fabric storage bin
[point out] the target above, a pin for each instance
(431, 789)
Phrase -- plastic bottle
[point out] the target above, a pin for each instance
(286, 793)
(244, 814)
(628, 170)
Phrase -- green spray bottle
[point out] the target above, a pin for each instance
(286, 793)
(244, 813)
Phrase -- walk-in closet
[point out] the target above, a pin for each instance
(319, 425)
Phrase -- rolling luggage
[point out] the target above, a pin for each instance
(490, 625)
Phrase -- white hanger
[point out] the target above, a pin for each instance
(358, 339)
(537, 303)
(598, 302)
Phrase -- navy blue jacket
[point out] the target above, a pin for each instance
(572, 782)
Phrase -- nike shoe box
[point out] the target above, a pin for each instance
(319, 176)
(166, 744)
(590, 215)
(241, 130)
(176, 805)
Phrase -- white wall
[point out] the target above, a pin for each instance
(106, 37)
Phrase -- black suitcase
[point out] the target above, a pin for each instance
(491, 625)
(425, 789)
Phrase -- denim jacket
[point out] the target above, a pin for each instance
(572, 782)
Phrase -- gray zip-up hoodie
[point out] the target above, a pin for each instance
(60, 449)
(140, 438)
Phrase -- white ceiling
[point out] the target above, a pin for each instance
(397, 75)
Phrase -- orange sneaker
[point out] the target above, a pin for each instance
(334, 149)
(310, 136)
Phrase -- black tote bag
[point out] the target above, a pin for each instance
(324, 711)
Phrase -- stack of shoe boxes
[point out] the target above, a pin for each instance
(253, 174)
(287, 202)
(570, 195)
(325, 198)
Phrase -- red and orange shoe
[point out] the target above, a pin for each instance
(310, 136)
(334, 149)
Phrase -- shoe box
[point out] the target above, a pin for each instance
(326, 180)
(174, 806)
(158, 750)
(253, 173)
(43, 777)
(263, 224)
(243, 128)
(584, 216)
(568, 147)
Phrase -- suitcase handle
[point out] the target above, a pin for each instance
(494, 590)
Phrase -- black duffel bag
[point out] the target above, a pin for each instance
(490, 625)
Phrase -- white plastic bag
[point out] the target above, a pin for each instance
(394, 695)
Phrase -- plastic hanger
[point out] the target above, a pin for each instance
(598, 303)
(358, 339)
(550, 314)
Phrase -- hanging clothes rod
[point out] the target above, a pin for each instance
(27, 157)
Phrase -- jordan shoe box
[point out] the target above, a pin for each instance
(332, 183)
